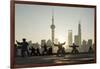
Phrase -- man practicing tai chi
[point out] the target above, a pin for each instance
(24, 47)
(61, 50)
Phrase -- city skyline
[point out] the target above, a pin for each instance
(33, 23)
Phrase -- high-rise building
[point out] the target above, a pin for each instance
(43, 42)
(84, 43)
(76, 39)
(79, 33)
(69, 37)
(90, 47)
(84, 46)
(89, 42)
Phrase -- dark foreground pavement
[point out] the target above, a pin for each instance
(70, 58)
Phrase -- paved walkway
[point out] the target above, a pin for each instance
(54, 59)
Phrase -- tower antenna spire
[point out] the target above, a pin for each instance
(80, 21)
(52, 16)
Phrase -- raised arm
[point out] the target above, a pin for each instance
(19, 42)
(55, 44)
(63, 43)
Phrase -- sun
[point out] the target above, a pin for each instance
(61, 39)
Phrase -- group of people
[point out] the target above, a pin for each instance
(26, 51)
(36, 52)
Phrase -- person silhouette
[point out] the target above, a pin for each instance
(38, 52)
(50, 51)
(90, 49)
(63, 51)
(74, 49)
(32, 51)
(24, 47)
(60, 48)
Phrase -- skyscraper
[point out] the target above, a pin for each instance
(52, 28)
(69, 37)
(77, 38)
(79, 33)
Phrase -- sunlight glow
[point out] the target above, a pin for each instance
(61, 39)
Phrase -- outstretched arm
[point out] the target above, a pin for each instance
(18, 42)
(63, 43)
(55, 44)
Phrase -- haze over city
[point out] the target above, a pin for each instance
(54, 34)
(33, 22)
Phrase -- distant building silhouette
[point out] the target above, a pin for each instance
(84, 46)
(90, 47)
(49, 47)
(49, 43)
(69, 37)
(43, 42)
(79, 33)
(89, 42)
(76, 40)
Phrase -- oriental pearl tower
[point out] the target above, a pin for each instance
(52, 28)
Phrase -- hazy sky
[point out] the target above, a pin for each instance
(33, 22)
